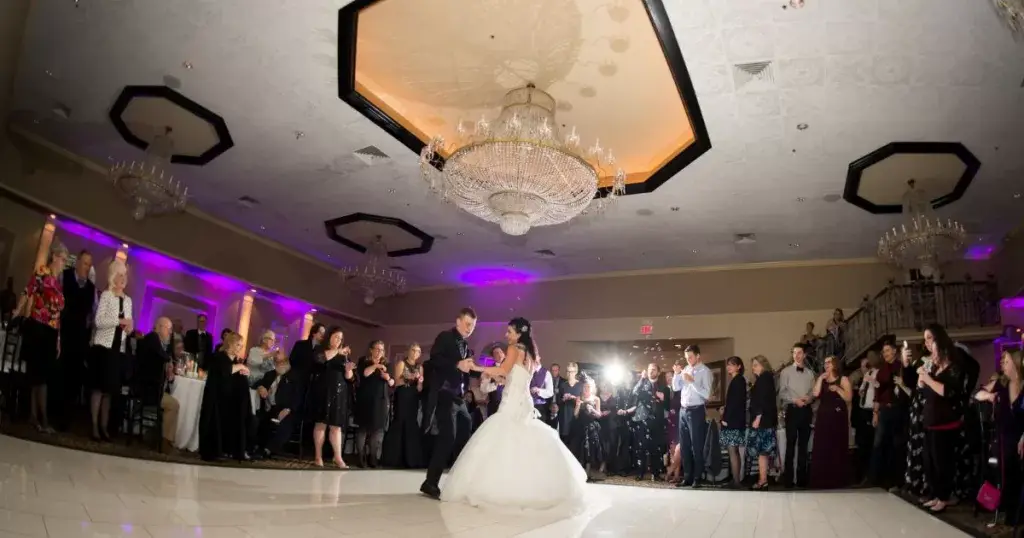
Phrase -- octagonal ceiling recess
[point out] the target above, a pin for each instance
(420, 69)
(877, 182)
(357, 230)
(143, 112)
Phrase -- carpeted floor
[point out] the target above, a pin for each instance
(961, 517)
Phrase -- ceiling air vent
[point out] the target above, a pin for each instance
(753, 75)
(248, 202)
(545, 253)
(371, 155)
(745, 239)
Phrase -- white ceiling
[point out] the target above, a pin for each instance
(860, 73)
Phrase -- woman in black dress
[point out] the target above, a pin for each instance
(942, 383)
(1007, 396)
(586, 435)
(734, 416)
(568, 392)
(372, 404)
(830, 457)
(764, 418)
(402, 446)
(610, 424)
(331, 396)
(225, 412)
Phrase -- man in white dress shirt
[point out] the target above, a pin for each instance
(796, 392)
(694, 386)
(541, 389)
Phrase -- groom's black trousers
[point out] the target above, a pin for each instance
(444, 441)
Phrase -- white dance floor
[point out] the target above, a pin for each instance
(58, 493)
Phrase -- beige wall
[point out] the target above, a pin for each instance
(1009, 265)
(62, 186)
(20, 228)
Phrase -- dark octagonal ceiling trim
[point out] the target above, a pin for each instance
(426, 240)
(348, 29)
(129, 93)
(857, 168)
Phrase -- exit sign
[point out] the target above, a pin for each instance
(647, 330)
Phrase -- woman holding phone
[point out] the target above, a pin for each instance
(331, 395)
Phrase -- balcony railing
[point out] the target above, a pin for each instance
(912, 307)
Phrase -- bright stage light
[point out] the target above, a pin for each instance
(615, 373)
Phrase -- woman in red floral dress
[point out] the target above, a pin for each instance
(40, 345)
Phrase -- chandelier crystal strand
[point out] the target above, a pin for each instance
(149, 185)
(516, 171)
(1012, 14)
(923, 241)
(373, 277)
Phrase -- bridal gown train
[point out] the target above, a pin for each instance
(515, 461)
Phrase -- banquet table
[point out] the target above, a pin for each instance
(189, 393)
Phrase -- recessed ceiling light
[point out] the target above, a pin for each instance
(1016, 195)
(802, 126)
(328, 255)
(391, 191)
(263, 227)
(794, 245)
(598, 258)
(674, 208)
(801, 199)
(299, 135)
(252, 290)
(52, 216)
(124, 245)
(458, 233)
(186, 65)
(694, 251)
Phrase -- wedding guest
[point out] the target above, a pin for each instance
(443, 375)
(585, 441)
(41, 306)
(942, 384)
(550, 415)
(542, 388)
(796, 382)
(891, 404)
(275, 417)
(224, 417)
(223, 334)
(331, 393)
(694, 386)
(493, 388)
(675, 457)
(154, 374)
(734, 416)
(402, 446)
(965, 480)
(764, 419)
(915, 478)
(476, 412)
(1006, 395)
(569, 389)
(830, 461)
(611, 424)
(198, 341)
(809, 337)
(372, 404)
(862, 416)
(261, 358)
(75, 329)
(302, 359)
(8, 302)
(646, 459)
(113, 326)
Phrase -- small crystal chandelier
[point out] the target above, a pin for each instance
(518, 172)
(149, 185)
(1012, 14)
(924, 241)
(374, 277)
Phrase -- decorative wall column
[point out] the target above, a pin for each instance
(45, 240)
(244, 315)
(122, 253)
(307, 324)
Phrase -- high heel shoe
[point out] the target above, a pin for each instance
(105, 437)
(341, 464)
(318, 463)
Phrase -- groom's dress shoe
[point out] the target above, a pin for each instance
(430, 490)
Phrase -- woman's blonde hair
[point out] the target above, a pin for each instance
(116, 267)
(231, 340)
(763, 361)
(268, 335)
(1015, 358)
(56, 249)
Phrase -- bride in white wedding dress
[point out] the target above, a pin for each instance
(515, 461)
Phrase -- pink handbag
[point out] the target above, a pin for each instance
(988, 497)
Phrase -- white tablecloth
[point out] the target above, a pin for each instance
(189, 393)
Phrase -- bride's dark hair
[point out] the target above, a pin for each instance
(523, 328)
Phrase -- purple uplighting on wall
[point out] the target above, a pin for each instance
(86, 232)
(979, 252)
(490, 276)
(1016, 303)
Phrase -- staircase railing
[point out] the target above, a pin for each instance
(911, 307)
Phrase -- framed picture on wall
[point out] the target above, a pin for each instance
(716, 398)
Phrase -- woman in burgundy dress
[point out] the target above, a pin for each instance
(830, 458)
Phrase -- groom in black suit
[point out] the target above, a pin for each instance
(443, 381)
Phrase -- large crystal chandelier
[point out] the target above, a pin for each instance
(149, 185)
(518, 171)
(1012, 14)
(373, 277)
(924, 241)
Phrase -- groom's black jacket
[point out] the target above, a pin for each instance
(441, 372)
